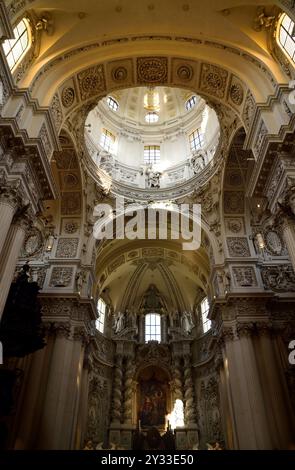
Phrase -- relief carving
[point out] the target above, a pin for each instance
(244, 276)
(213, 80)
(238, 246)
(278, 278)
(151, 70)
(67, 247)
(61, 276)
(91, 82)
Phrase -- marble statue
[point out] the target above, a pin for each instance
(152, 177)
(187, 322)
(119, 322)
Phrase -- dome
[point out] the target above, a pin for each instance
(151, 138)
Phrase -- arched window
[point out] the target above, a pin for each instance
(15, 49)
(286, 36)
(204, 312)
(112, 103)
(153, 327)
(101, 311)
(152, 117)
(190, 103)
(107, 140)
(151, 154)
(196, 140)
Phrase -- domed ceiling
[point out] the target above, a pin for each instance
(172, 109)
(151, 138)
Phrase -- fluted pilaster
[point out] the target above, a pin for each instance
(288, 231)
(14, 242)
(9, 201)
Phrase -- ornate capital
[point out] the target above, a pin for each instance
(227, 334)
(62, 329)
(264, 328)
(245, 329)
(80, 334)
(9, 194)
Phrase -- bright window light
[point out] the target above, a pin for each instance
(112, 103)
(15, 49)
(101, 311)
(151, 118)
(107, 140)
(196, 140)
(286, 36)
(191, 103)
(204, 312)
(151, 154)
(153, 327)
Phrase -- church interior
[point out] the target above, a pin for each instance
(124, 341)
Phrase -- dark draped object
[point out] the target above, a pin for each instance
(20, 327)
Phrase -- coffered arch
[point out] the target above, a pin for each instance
(128, 268)
(216, 84)
(67, 211)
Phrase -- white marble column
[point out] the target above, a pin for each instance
(280, 413)
(81, 427)
(58, 423)
(288, 231)
(12, 247)
(30, 410)
(8, 204)
(249, 413)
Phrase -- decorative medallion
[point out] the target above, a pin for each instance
(236, 94)
(91, 82)
(274, 243)
(235, 225)
(213, 80)
(33, 243)
(185, 72)
(71, 227)
(119, 74)
(152, 70)
(238, 246)
(68, 97)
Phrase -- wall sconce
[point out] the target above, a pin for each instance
(49, 244)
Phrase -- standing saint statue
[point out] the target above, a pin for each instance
(119, 322)
(187, 322)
